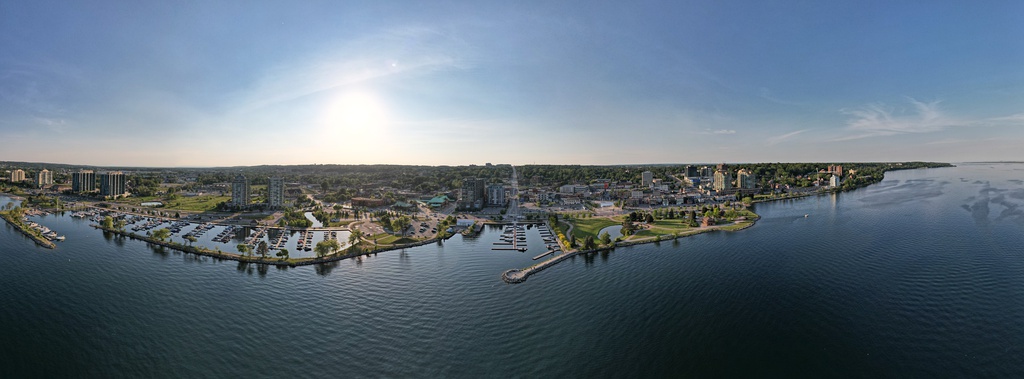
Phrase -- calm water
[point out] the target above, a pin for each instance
(921, 275)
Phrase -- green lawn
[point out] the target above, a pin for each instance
(182, 203)
(590, 227)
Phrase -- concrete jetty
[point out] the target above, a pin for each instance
(549, 252)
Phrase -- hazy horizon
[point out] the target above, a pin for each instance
(220, 85)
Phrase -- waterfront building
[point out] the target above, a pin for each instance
(275, 193)
(646, 178)
(17, 176)
(112, 184)
(240, 191)
(495, 195)
(83, 181)
(473, 193)
(44, 178)
(835, 181)
(746, 179)
(723, 179)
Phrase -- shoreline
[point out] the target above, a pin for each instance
(291, 262)
(519, 275)
(21, 227)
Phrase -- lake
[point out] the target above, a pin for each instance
(919, 275)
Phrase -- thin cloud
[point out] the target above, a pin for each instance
(877, 120)
(370, 58)
(719, 131)
(777, 139)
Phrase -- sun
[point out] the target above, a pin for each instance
(355, 116)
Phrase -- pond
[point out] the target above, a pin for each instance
(614, 231)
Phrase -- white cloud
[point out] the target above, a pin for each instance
(719, 131)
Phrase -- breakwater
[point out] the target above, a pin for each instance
(514, 276)
(293, 262)
(21, 227)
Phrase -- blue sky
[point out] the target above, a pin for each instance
(247, 83)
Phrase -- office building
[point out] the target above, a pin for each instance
(275, 193)
(646, 178)
(112, 184)
(83, 181)
(691, 171)
(240, 191)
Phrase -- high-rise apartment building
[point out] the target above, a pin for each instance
(473, 192)
(83, 181)
(17, 176)
(240, 191)
(44, 178)
(495, 195)
(746, 179)
(723, 178)
(275, 193)
(112, 184)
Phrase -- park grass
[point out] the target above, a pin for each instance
(590, 227)
(202, 203)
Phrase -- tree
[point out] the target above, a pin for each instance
(107, 223)
(243, 249)
(355, 237)
(262, 249)
(324, 248)
(606, 239)
(190, 239)
(283, 253)
(649, 218)
(161, 234)
(572, 240)
(588, 243)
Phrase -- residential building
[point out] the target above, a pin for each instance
(83, 181)
(568, 188)
(240, 191)
(112, 184)
(473, 193)
(17, 176)
(646, 178)
(44, 178)
(275, 193)
(723, 179)
(746, 179)
(495, 195)
(835, 181)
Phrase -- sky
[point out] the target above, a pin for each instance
(225, 83)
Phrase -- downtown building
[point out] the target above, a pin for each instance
(473, 194)
(240, 192)
(723, 179)
(44, 178)
(83, 181)
(113, 184)
(646, 179)
(746, 179)
(495, 195)
(275, 193)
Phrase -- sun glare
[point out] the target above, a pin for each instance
(357, 117)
